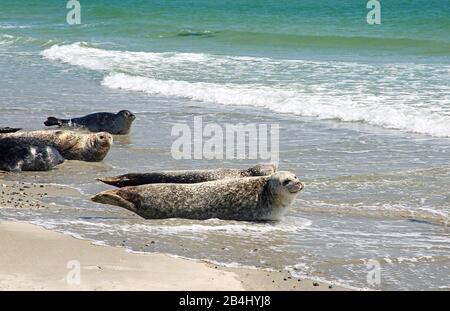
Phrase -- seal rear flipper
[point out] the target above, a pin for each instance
(113, 198)
(113, 181)
(137, 179)
(4, 130)
(54, 121)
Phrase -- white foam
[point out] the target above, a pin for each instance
(232, 229)
(8, 26)
(408, 97)
(287, 101)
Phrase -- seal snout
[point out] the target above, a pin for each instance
(291, 183)
(297, 186)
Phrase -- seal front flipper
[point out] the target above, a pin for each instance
(118, 181)
(51, 121)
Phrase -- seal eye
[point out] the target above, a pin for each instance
(101, 137)
(286, 182)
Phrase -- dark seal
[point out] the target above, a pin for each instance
(249, 198)
(187, 176)
(113, 123)
(19, 156)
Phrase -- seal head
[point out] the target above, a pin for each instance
(281, 190)
(127, 115)
(100, 144)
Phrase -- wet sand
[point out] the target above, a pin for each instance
(34, 258)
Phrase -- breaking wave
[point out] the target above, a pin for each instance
(403, 96)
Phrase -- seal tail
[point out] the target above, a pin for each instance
(54, 121)
(112, 197)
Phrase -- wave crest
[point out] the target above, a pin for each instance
(408, 97)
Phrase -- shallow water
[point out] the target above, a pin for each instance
(366, 130)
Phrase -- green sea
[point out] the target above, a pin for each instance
(363, 110)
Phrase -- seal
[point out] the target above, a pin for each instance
(8, 129)
(188, 176)
(88, 147)
(19, 156)
(249, 198)
(113, 123)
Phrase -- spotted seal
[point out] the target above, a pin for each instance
(20, 156)
(71, 145)
(249, 198)
(113, 123)
(187, 176)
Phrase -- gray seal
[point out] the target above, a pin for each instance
(19, 156)
(249, 198)
(88, 147)
(187, 176)
(8, 129)
(113, 123)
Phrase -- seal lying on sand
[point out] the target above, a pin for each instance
(8, 130)
(187, 177)
(116, 124)
(20, 156)
(71, 145)
(248, 198)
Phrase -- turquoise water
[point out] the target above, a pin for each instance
(364, 115)
(289, 28)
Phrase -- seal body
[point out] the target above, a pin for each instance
(113, 123)
(19, 156)
(188, 176)
(248, 198)
(71, 145)
(8, 130)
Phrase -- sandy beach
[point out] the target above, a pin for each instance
(34, 258)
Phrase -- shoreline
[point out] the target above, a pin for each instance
(114, 268)
(35, 258)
